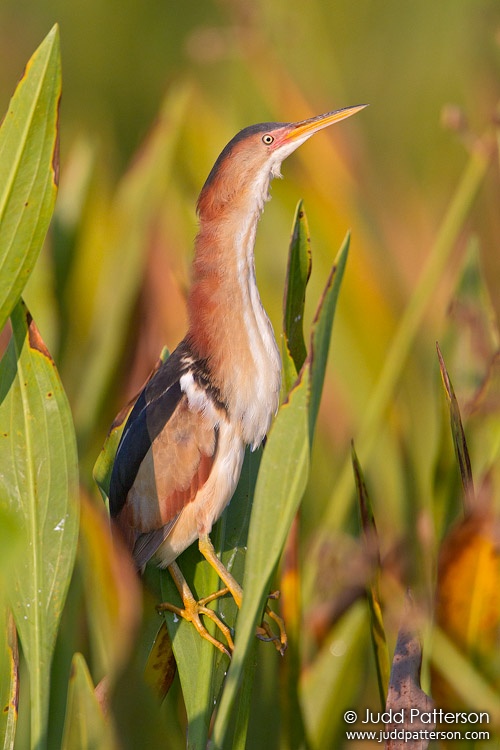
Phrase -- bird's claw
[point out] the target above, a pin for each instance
(264, 632)
(192, 612)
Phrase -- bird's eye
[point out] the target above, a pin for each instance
(267, 139)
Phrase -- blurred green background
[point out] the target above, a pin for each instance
(199, 72)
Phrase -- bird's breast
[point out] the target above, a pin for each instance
(257, 396)
(247, 382)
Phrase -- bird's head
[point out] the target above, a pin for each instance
(253, 157)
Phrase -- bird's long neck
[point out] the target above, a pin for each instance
(228, 325)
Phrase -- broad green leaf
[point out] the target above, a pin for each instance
(202, 668)
(293, 356)
(377, 628)
(292, 612)
(298, 272)
(85, 726)
(231, 538)
(11, 552)
(282, 477)
(9, 679)
(39, 483)
(28, 170)
(11, 538)
(280, 486)
(321, 332)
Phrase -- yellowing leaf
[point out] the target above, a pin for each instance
(468, 590)
(160, 667)
(9, 679)
(112, 589)
(468, 610)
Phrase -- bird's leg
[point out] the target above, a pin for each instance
(192, 610)
(264, 632)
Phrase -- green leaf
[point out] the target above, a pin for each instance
(298, 273)
(377, 629)
(201, 666)
(321, 332)
(28, 170)
(458, 434)
(103, 467)
(39, 484)
(11, 539)
(282, 477)
(280, 487)
(85, 726)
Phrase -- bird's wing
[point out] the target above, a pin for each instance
(151, 412)
(165, 455)
(147, 544)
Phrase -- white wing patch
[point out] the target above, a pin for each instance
(198, 399)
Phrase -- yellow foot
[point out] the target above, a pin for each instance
(264, 632)
(193, 610)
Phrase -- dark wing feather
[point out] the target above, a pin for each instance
(147, 544)
(151, 412)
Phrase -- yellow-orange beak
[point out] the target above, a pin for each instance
(305, 128)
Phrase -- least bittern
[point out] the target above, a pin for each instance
(181, 451)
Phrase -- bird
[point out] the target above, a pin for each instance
(182, 447)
